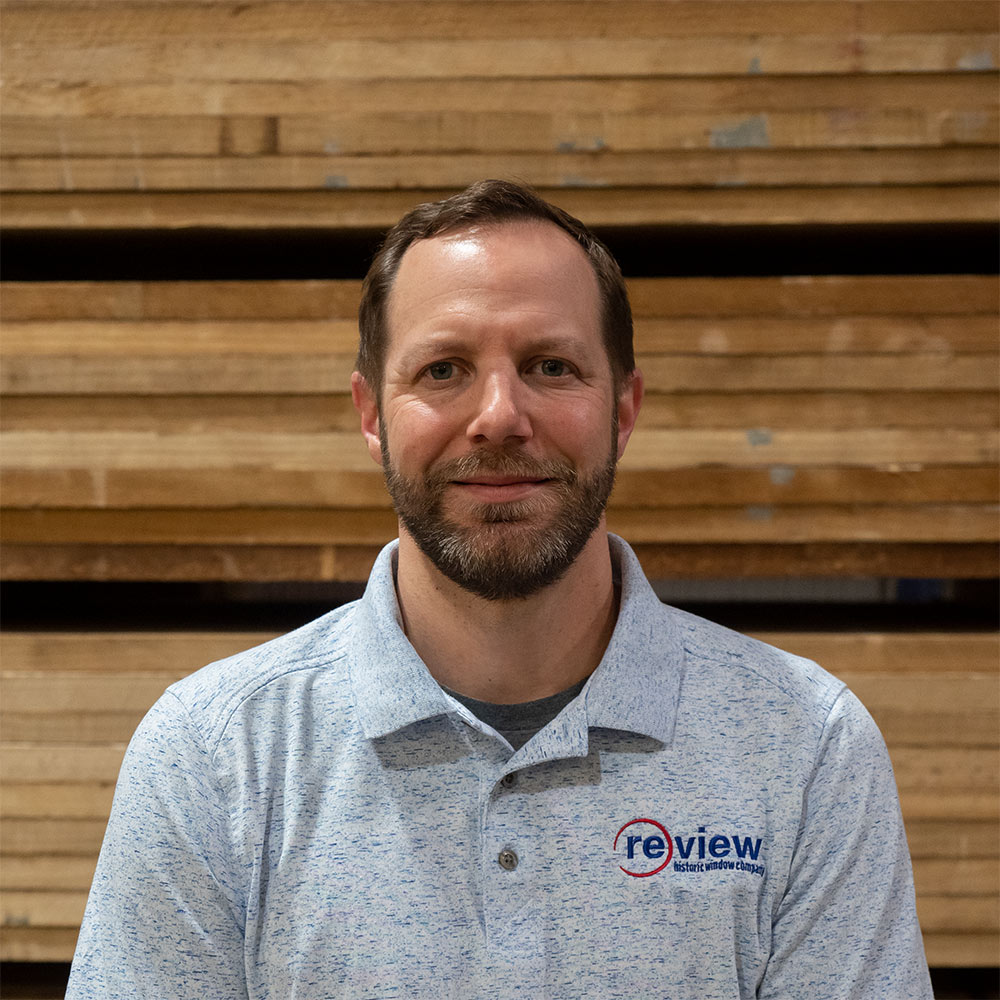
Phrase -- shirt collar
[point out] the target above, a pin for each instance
(635, 688)
(392, 686)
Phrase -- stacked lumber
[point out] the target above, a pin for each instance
(334, 114)
(203, 430)
(72, 700)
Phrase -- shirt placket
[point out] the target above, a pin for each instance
(512, 907)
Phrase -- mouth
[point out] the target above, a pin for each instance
(500, 489)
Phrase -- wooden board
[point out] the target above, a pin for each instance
(944, 839)
(37, 944)
(689, 169)
(57, 801)
(314, 57)
(33, 761)
(754, 93)
(718, 335)
(750, 560)
(312, 413)
(346, 526)
(186, 562)
(946, 950)
(26, 873)
(338, 208)
(352, 563)
(889, 296)
(55, 21)
(42, 909)
(402, 132)
(34, 837)
(942, 877)
(593, 131)
(897, 652)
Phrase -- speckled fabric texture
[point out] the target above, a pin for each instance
(315, 818)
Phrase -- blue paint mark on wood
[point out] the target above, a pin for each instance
(750, 133)
(594, 145)
(977, 61)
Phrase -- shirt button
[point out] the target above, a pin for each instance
(507, 859)
(509, 780)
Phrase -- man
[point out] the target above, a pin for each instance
(508, 770)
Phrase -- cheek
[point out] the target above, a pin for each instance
(584, 432)
(417, 433)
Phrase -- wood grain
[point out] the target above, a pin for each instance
(503, 132)
(352, 563)
(55, 21)
(339, 208)
(689, 169)
(802, 426)
(312, 413)
(889, 296)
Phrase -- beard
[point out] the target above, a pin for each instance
(510, 550)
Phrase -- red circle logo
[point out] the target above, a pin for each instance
(652, 846)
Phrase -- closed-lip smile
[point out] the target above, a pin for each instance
(493, 489)
(481, 480)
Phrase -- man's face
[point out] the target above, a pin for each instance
(498, 427)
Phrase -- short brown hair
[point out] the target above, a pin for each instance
(489, 202)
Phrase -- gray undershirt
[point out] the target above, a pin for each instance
(518, 723)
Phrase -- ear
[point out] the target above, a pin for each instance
(367, 406)
(629, 402)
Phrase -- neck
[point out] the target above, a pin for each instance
(509, 651)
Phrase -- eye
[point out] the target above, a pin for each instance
(441, 370)
(553, 367)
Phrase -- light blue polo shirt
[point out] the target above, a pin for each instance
(315, 818)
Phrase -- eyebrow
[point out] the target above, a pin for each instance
(462, 344)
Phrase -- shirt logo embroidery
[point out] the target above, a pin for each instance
(647, 848)
(652, 846)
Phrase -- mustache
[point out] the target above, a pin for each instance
(499, 463)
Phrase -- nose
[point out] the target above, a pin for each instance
(500, 411)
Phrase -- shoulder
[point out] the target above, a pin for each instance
(209, 697)
(750, 663)
(715, 670)
(800, 679)
(768, 700)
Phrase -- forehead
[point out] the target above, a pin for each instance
(495, 272)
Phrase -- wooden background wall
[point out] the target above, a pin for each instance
(813, 425)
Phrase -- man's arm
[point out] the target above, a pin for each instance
(165, 916)
(846, 927)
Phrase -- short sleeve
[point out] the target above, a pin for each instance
(846, 927)
(165, 914)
